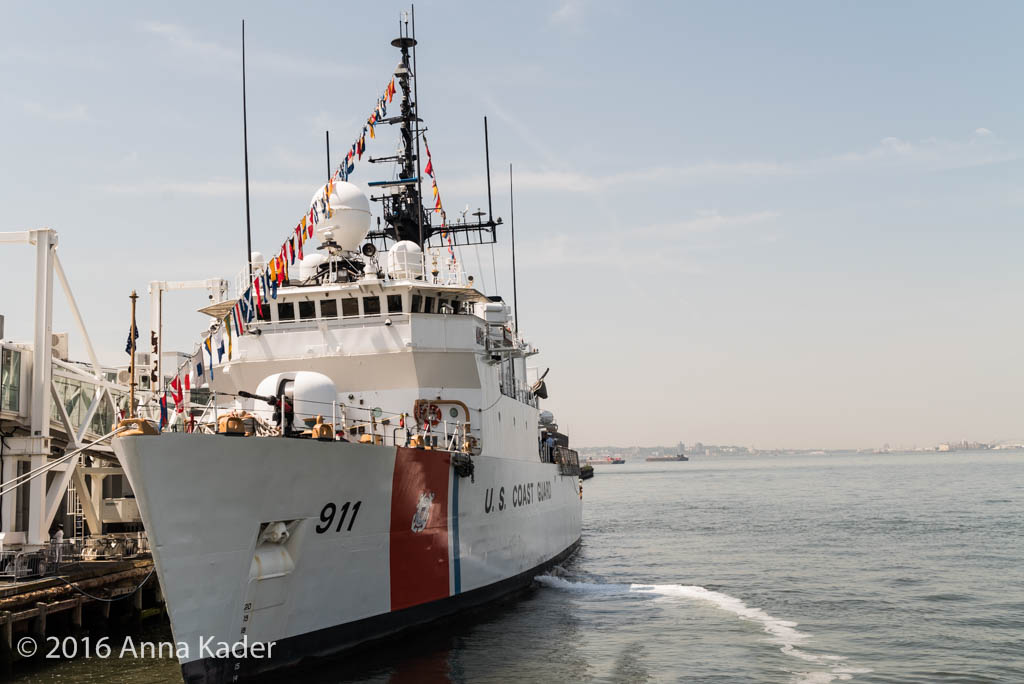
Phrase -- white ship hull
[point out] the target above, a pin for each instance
(380, 539)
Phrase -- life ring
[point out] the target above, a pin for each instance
(429, 413)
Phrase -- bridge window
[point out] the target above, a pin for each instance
(428, 305)
(329, 308)
(371, 306)
(286, 311)
(417, 303)
(394, 303)
(262, 312)
(307, 311)
(350, 307)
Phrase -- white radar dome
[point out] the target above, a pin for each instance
(308, 266)
(350, 218)
(257, 260)
(405, 260)
(546, 418)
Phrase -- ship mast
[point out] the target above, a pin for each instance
(402, 199)
(404, 212)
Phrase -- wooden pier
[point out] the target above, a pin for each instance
(83, 598)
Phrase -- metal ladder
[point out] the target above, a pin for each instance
(74, 508)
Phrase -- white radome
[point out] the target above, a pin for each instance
(350, 221)
(309, 266)
(405, 260)
(257, 260)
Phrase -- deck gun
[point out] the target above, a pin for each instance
(289, 409)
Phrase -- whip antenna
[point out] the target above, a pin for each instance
(245, 145)
(512, 211)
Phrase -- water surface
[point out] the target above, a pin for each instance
(896, 568)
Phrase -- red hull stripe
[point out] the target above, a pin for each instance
(419, 527)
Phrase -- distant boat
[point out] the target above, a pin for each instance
(677, 457)
(616, 460)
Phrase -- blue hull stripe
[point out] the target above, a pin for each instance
(457, 571)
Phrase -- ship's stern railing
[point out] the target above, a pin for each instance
(568, 461)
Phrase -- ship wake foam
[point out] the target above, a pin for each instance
(782, 632)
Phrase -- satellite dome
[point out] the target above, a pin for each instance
(309, 266)
(349, 221)
(405, 261)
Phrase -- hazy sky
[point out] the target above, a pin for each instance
(770, 224)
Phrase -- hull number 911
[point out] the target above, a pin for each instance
(331, 511)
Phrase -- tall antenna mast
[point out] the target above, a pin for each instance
(487, 154)
(399, 208)
(512, 208)
(416, 112)
(328, 136)
(245, 144)
(403, 196)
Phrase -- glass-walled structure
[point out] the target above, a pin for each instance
(76, 395)
(10, 380)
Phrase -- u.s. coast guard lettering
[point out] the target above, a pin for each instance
(522, 495)
(489, 504)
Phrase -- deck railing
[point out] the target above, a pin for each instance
(568, 461)
(433, 267)
(350, 423)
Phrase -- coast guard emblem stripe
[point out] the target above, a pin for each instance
(419, 527)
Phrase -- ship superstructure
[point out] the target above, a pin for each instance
(373, 455)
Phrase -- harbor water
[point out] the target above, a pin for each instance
(895, 568)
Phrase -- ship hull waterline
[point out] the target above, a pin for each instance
(378, 539)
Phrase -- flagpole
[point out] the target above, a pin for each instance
(131, 336)
(327, 134)
(245, 144)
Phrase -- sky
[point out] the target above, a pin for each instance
(793, 224)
